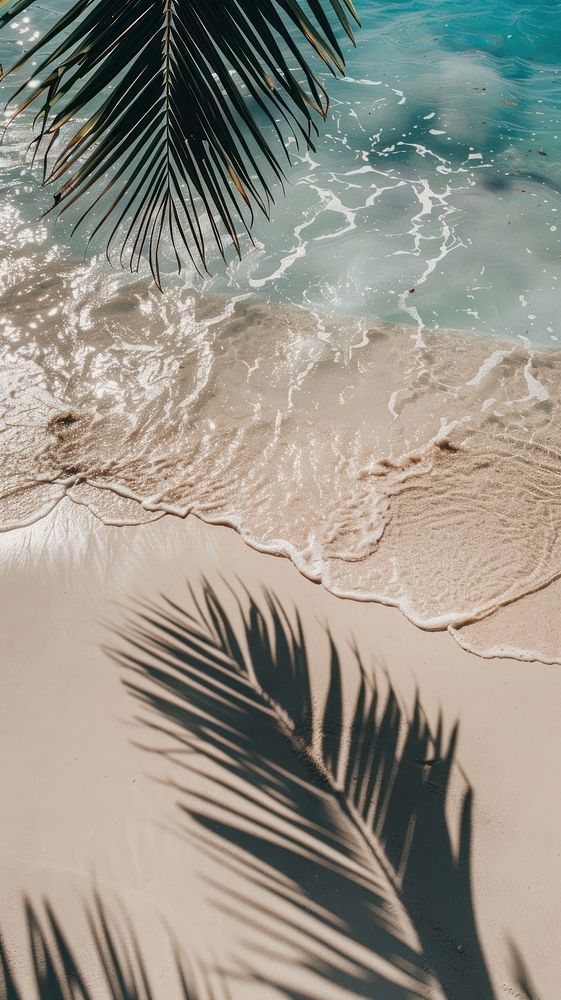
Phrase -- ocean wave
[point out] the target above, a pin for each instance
(423, 473)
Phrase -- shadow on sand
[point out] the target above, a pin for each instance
(115, 963)
(337, 822)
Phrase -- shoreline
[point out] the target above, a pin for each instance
(452, 629)
(371, 460)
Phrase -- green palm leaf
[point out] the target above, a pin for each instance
(344, 819)
(168, 94)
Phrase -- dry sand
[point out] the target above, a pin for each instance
(87, 807)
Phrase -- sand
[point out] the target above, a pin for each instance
(222, 870)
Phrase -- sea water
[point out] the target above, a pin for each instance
(373, 390)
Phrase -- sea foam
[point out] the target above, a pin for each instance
(424, 474)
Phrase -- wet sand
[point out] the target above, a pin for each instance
(416, 468)
(250, 872)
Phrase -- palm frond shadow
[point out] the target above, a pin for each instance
(58, 973)
(521, 973)
(342, 824)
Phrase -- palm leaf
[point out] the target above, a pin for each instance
(167, 94)
(307, 802)
(118, 963)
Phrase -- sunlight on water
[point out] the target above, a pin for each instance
(359, 391)
(439, 170)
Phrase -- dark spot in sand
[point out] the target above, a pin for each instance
(375, 335)
(69, 470)
(67, 420)
(445, 445)
(58, 425)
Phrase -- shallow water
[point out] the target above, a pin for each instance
(387, 456)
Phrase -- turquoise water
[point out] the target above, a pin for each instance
(429, 175)
(439, 169)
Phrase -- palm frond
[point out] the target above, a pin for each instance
(173, 98)
(58, 973)
(309, 803)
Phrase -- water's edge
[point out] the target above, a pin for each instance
(418, 469)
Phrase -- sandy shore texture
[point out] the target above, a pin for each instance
(220, 780)
(417, 468)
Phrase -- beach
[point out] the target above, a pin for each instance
(280, 515)
(90, 807)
